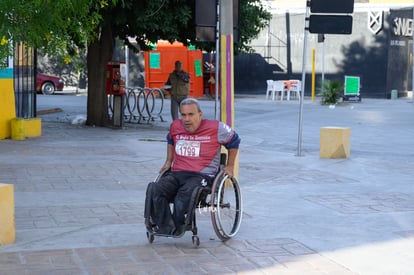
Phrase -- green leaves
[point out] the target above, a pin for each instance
(331, 91)
(51, 24)
(253, 18)
(61, 26)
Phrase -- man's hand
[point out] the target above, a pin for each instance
(229, 170)
(231, 159)
(169, 160)
(165, 167)
(184, 76)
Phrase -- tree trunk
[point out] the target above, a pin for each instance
(99, 54)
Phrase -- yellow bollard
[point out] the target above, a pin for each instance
(32, 127)
(335, 142)
(17, 129)
(7, 227)
(7, 103)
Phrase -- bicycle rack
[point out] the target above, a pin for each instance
(141, 104)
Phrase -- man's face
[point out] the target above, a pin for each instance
(178, 67)
(191, 117)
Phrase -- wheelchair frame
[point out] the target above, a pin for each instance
(213, 198)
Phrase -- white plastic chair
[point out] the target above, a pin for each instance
(278, 88)
(269, 89)
(295, 88)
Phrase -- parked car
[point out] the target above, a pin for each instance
(48, 84)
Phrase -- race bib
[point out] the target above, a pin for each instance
(188, 148)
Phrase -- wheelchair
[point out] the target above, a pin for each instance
(223, 199)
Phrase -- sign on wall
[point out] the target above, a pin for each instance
(352, 88)
(154, 60)
(400, 47)
(375, 21)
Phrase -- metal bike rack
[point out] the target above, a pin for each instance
(141, 104)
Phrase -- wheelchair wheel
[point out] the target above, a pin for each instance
(196, 241)
(150, 237)
(226, 203)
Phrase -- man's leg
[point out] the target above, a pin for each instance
(188, 183)
(148, 207)
(163, 193)
(174, 108)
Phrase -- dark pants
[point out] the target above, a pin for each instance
(176, 188)
(175, 106)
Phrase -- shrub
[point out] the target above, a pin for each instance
(331, 92)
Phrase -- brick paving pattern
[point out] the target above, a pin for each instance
(366, 203)
(79, 196)
(235, 256)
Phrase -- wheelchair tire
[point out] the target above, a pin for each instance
(196, 241)
(150, 237)
(226, 203)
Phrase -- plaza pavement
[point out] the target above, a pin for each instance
(79, 194)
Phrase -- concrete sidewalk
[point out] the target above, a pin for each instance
(79, 195)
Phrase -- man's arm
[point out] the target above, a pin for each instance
(231, 159)
(231, 140)
(168, 80)
(170, 158)
(185, 76)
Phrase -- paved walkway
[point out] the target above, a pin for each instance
(79, 194)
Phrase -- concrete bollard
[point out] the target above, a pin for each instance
(7, 226)
(335, 142)
(394, 94)
(22, 128)
(17, 129)
(32, 127)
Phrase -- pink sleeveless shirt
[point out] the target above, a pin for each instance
(199, 151)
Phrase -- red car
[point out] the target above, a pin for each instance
(48, 84)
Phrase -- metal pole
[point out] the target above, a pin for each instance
(216, 102)
(323, 60)
(126, 66)
(302, 90)
(226, 63)
(313, 74)
(412, 59)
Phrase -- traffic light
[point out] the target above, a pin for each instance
(206, 19)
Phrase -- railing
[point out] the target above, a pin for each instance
(25, 80)
(140, 104)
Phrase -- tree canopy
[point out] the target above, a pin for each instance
(56, 26)
(64, 26)
(172, 20)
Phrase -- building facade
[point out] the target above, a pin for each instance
(379, 50)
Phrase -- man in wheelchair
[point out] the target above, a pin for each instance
(193, 160)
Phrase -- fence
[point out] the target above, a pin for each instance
(24, 81)
(140, 104)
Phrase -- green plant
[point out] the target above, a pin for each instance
(331, 92)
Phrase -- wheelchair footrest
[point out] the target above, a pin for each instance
(155, 231)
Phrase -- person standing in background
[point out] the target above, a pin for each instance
(179, 80)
